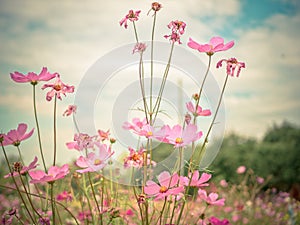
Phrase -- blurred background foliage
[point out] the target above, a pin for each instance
(277, 155)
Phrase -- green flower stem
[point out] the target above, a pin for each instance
(39, 196)
(213, 120)
(17, 187)
(135, 32)
(142, 85)
(38, 128)
(54, 131)
(52, 202)
(87, 198)
(151, 66)
(94, 195)
(196, 106)
(29, 198)
(162, 86)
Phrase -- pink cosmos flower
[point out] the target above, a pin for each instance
(223, 183)
(54, 173)
(82, 141)
(70, 110)
(94, 161)
(215, 221)
(58, 88)
(232, 64)
(197, 181)
(32, 77)
(8, 216)
(136, 126)
(24, 169)
(139, 47)
(131, 16)
(260, 180)
(178, 136)
(155, 6)
(216, 44)
(64, 196)
(104, 135)
(168, 186)
(197, 112)
(177, 29)
(136, 159)
(14, 137)
(211, 199)
(241, 169)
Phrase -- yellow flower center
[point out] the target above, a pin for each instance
(97, 162)
(163, 189)
(179, 140)
(57, 87)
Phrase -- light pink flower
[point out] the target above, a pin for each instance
(232, 64)
(139, 47)
(260, 180)
(32, 77)
(223, 183)
(197, 112)
(140, 127)
(131, 16)
(82, 142)
(177, 29)
(104, 135)
(14, 137)
(211, 199)
(178, 136)
(54, 173)
(64, 196)
(215, 44)
(70, 110)
(58, 88)
(197, 181)
(241, 169)
(168, 186)
(95, 161)
(24, 169)
(215, 221)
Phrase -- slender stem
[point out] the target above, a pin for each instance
(38, 128)
(20, 155)
(29, 198)
(152, 63)
(17, 186)
(54, 131)
(135, 32)
(39, 196)
(52, 202)
(93, 192)
(142, 85)
(158, 100)
(214, 118)
(162, 211)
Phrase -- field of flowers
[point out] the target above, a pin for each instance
(87, 191)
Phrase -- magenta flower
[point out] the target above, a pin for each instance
(58, 88)
(216, 44)
(14, 137)
(211, 199)
(232, 64)
(139, 47)
(24, 169)
(94, 162)
(70, 110)
(215, 221)
(196, 180)
(131, 16)
(64, 196)
(168, 186)
(177, 29)
(178, 136)
(197, 112)
(54, 173)
(31, 77)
